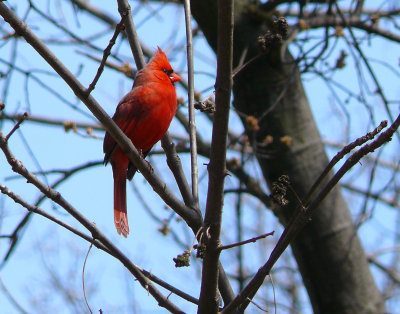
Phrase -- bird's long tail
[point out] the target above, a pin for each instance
(120, 212)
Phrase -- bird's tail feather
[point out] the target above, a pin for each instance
(120, 212)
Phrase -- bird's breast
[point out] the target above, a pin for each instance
(160, 109)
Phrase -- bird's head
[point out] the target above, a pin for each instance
(160, 63)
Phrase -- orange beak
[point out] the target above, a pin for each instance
(175, 78)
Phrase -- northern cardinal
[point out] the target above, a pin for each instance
(144, 115)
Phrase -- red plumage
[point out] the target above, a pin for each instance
(144, 115)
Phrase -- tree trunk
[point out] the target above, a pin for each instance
(328, 252)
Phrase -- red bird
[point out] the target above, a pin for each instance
(144, 115)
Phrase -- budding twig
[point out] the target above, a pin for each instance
(225, 247)
(16, 126)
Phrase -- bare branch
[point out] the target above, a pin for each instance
(393, 275)
(302, 217)
(377, 196)
(192, 122)
(83, 279)
(217, 166)
(347, 149)
(34, 209)
(125, 9)
(11, 298)
(174, 163)
(99, 245)
(106, 53)
(55, 196)
(353, 21)
(252, 240)
(51, 121)
(16, 126)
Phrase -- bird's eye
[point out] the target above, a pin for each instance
(168, 72)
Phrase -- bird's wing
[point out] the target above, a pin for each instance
(131, 109)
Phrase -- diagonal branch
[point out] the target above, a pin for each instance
(15, 236)
(303, 216)
(37, 210)
(106, 53)
(125, 10)
(99, 245)
(55, 196)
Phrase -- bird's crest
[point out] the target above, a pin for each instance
(160, 60)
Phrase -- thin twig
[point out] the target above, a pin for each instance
(347, 149)
(302, 217)
(392, 274)
(258, 306)
(125, 9)
(273, 290)
(255, 239)
(106, 53)
(56, 122)
(83, 279)
(16, 126)
(379, 88)
(125, 68)
(55, 196)
(192, 121)
(37, 210)
(174, 163)
(11, 298)
(240, 67)
(99, 245)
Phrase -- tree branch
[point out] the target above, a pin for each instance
(217, 166)
(125, 9)
(301, 218)
(192, 122)
(55, 196)
(37, 210)
(353, 21)
(99, 245)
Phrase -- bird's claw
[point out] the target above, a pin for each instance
(150, 166)
(141, 153)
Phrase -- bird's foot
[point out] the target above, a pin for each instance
(150, 166)
(140, 153)
(148, 163)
